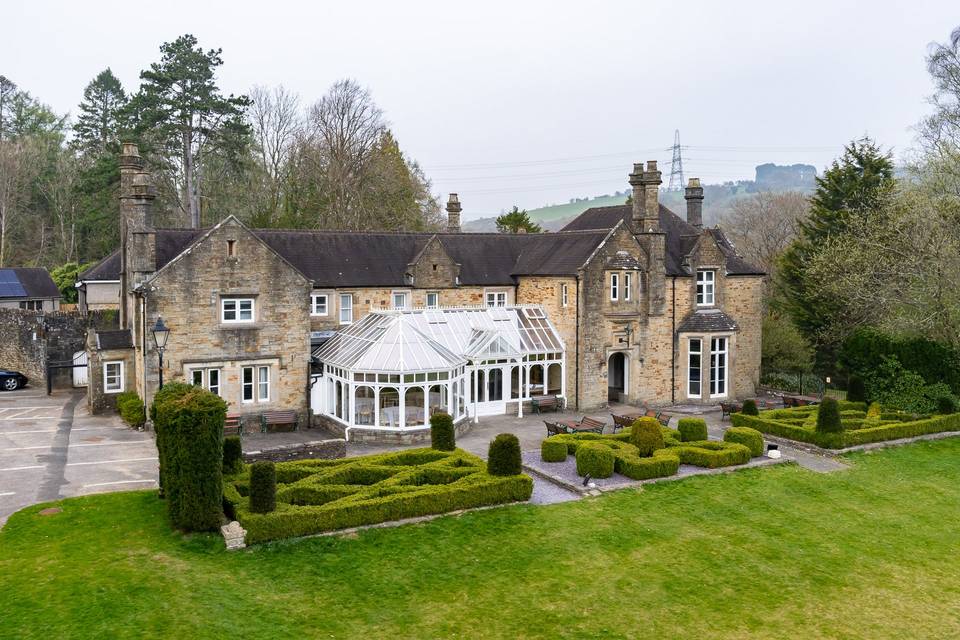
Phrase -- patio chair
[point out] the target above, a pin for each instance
(621, 422)
(554, 429)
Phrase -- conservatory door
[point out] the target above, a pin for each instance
(490, 392)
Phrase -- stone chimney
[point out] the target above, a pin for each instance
(453, 214)
(645, 217)
(694, 197)
(137, 237)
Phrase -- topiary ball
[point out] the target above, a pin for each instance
(692, 429)
(750, 408)
(750, 438)
(553, 450)
(856, 389)
(595, 459)
(503, 458)
(232, 454)
(646, 436)
(946, 405)
(828, 417)
(442, 435)
(263, 487)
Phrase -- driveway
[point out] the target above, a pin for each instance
(52, 448)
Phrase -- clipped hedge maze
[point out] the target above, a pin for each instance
(859, 424)
(314, 496)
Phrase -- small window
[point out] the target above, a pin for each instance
(694, 379)
(564, 295)
(113, 376)
(627, 282)
(346, 308)
(208, 379)
(32, 305)
(247, 384)
(705, 287)
(434, 267)
(231, 248)
(263, 384)
(236, 310)
(496, 298)
(614, 286)
(433, 300)
(399, 300)
(318, 304)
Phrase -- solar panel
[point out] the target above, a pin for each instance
(10, 286)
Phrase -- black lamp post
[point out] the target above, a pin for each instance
(160, 335)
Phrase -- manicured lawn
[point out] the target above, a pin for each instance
(872, 552)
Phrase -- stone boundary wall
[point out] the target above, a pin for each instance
(316, 449)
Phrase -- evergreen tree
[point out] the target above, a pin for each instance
(181, 113)
(98, 125)
(516, 221)
(856, 186)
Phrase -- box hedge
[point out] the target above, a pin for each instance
(750, 408)
(750, 438)
(595, 459)
(232, 455)
(503, 458)
(131, 409)
(646, 436)
(442, 434)
(828, 417)
(414, 483)
(263, 487)
(692, 429)
(553, 451)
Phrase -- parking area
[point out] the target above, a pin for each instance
(51, 448)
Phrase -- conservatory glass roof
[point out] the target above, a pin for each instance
(431, 339)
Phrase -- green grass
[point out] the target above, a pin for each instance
(872, 552)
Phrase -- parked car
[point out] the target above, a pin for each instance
(12, 380)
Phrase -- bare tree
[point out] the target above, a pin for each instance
(20, 164)
(58, 188)
(762, 225)
(277, 123)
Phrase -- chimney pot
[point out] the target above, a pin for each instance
(453, 213)
(693, 194)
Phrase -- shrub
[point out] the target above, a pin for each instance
(131, 408)
(711, 454)
(595, 459)
(856, 391)
(442, 435)
(750, 408)
(232, 454)
(750, 438)
(828, 417)
(646, 436)
(503, 458)
(263, 487)
(946, 404)
(692, 429)
(553, 450)
(189, 424)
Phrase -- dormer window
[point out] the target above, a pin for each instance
(706, 282)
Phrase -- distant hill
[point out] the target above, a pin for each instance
(716, 198)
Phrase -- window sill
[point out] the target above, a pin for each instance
(231, 326)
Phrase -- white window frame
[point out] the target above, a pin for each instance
(495, 298)
(436, 300)
(564, 295)
(244, 385)
(715, 367)
(205, 379)
(706, 287)
(404, 295)
(699, 367)
(315, 306)
(346, 308)
(263, 383)
(237, 304)
(627, 282)
(120, 377)
(614, 286)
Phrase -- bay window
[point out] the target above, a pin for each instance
(718, 367)
(694, 361)
(614, 286)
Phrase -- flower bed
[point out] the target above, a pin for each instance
(663, 462)
(314, 496)
(860, 425)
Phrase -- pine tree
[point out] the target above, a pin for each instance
(516, 221)
(98, 126)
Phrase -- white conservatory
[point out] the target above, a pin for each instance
(393, 369)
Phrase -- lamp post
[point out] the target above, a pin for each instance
(160, 335)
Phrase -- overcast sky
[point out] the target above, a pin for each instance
(531, 103)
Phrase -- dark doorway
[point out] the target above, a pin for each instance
(617, 378)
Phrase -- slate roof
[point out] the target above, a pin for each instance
(351, 259)
(707, 321)
(27, 282)
(119, 339)
(680, 240)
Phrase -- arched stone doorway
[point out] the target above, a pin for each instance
(617, 377)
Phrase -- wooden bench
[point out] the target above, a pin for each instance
(233, 425)
(539, 403)
(278, 418)
(555, 429)
(664, 419)
(621, 422)
(589, 424)
(726, 408)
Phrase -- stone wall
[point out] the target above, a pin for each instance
(547, 292)
(316, 449)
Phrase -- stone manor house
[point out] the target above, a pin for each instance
(371, 331)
